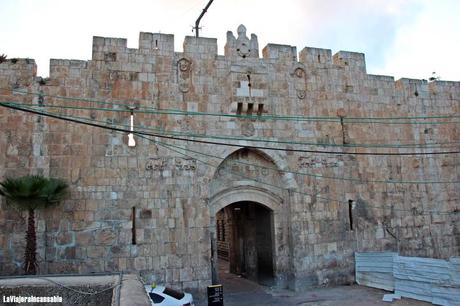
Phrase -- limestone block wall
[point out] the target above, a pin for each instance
(171, 193)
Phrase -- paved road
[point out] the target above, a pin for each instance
(242, 292)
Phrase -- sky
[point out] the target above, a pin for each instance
(400, 38)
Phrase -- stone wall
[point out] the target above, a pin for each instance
(176, 196)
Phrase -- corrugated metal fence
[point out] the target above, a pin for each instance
(432, 280)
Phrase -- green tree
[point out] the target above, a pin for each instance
(29, 193)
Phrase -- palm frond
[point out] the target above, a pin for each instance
(32, 191)
(54, 191)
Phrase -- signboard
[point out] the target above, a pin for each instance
(215, 295)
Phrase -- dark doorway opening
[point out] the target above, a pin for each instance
(244, 241)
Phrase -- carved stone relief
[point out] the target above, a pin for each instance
(162, 163)
(186, 164)
(248, 129)
(184, 69)
(320, 162)
(156, 164)
(243, 46)
(300, 80)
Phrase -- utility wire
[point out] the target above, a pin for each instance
(171, 147)
(237, 145)
(312, 174)
(258, 139)
(366, 120)
(318, 176)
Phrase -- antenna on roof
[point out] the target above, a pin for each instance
(197, 22)
(434, 77)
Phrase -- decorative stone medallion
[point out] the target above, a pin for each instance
(248, 129)
(242, 42)
(184, 67)
(300, 80)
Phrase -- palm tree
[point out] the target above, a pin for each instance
(29, 193)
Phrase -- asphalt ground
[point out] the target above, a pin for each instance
(239, 291)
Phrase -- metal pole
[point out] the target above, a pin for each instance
(197, 22)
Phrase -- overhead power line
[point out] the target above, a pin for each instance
(171, 147)
(177, 149)
(149, 110)
(237, 145)
(258, 139)
(318, 176)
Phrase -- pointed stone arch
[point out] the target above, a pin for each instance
(278, 158)
(276, 199)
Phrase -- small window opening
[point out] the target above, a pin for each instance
(319, 58)
(260, 110)
(350, 213)
(250, 108)
(133, 229)
(218, 231)
(239, 108)
(222, 230)
(156, 43)
(41, 99)
(416, 93)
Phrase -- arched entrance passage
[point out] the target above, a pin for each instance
(244, 241)
(247, 179)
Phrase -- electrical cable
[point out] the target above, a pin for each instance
(367, 120)
(318, 176)
(171, 147)
(236, 145)
(143, 135)
(351, 145)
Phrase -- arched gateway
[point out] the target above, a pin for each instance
(249, 210)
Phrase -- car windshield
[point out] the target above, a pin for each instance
(175, 294)
(156, 298)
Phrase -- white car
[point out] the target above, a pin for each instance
(164, 296)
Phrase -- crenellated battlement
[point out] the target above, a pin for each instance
(157, 43)
(280, 52)
(113, 54)
(18, 72)
(350, 60)
(200, 47)
(315, 57)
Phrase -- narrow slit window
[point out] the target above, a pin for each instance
(218, 231)
(239, 108)
(250, 108)
(260, 109)
(222, 230)
(133, 229)
(350, 214)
